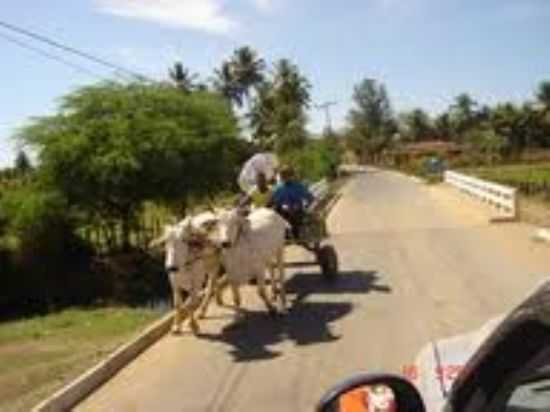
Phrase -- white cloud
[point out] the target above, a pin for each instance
(202, 15)
(263, 5)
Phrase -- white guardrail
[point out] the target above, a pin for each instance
(319, 189)
(502, 197)
(351, 168)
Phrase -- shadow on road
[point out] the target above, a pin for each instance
(306, 323)
(360, 282)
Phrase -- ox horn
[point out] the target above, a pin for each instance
(160, 240)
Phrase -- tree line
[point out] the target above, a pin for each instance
(486, 133)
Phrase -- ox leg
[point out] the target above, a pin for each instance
(273, 280)
(263, 294)
(281, 278)
(211, 289)
(221, 286)
(236, 292)
(178, 304)
(236, 296)
(191, 305)
(193, 324)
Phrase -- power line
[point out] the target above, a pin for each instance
(50, 56)
(328, 118)
(72, 50)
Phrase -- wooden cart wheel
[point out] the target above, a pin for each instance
(328, 260)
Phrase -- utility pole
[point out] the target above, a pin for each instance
(328, 119)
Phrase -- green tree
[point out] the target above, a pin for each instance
(317, 159)
(535, 124)
(418, 126)
(542, 115)
(278, 111)
(543, 94)
(225, 83)
(32, 212)
(443, 127)
(261, 115)
(248, 70)
(486, 144)
(509, 121)
(290, 85)
(365, 144)
(111, 147)
(183, 78)
(464, 114)
(22, 163)
(291, 92)
(372, 124)
(239, 76)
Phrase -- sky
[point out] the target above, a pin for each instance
(425, 51)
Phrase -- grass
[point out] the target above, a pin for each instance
(533, 183)
(517, 174)
(41, 354)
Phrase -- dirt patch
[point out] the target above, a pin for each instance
(535, 211)
(42, 354)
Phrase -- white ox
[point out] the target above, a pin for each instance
(191, 261)
(251, 246)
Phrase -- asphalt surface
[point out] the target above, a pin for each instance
(418, 263)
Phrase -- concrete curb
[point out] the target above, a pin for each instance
(417, 179)
(503, 219)
(70, 395)
(332, 204)
(542, 235)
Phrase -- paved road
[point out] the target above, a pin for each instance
(418, 263)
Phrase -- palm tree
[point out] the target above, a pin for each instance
(291, 97)
(261, 114)
(22, 163)
(509, 121)
(543, 94)
(464, 105)
(419, 125)
(182, 77)
(291, 87)
(464, 112)
(443, 127)
(239, 75)
(248, 70)
(372, 107)
(226, 84)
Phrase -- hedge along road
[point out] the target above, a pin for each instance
(418, 263)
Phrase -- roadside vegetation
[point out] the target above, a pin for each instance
(507, 143)
(113, 164)
(41, 354)
(119, 160)
(532, 181)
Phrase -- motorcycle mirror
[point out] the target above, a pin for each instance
(372, 392)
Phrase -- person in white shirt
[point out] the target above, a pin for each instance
(264, 163)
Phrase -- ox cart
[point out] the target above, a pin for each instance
(313, 233)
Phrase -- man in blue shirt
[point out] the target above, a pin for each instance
(290, 199)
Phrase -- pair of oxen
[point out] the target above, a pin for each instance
(208, 252)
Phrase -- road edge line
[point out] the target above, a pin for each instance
(74, 392)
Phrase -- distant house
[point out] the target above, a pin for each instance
(411, 151)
